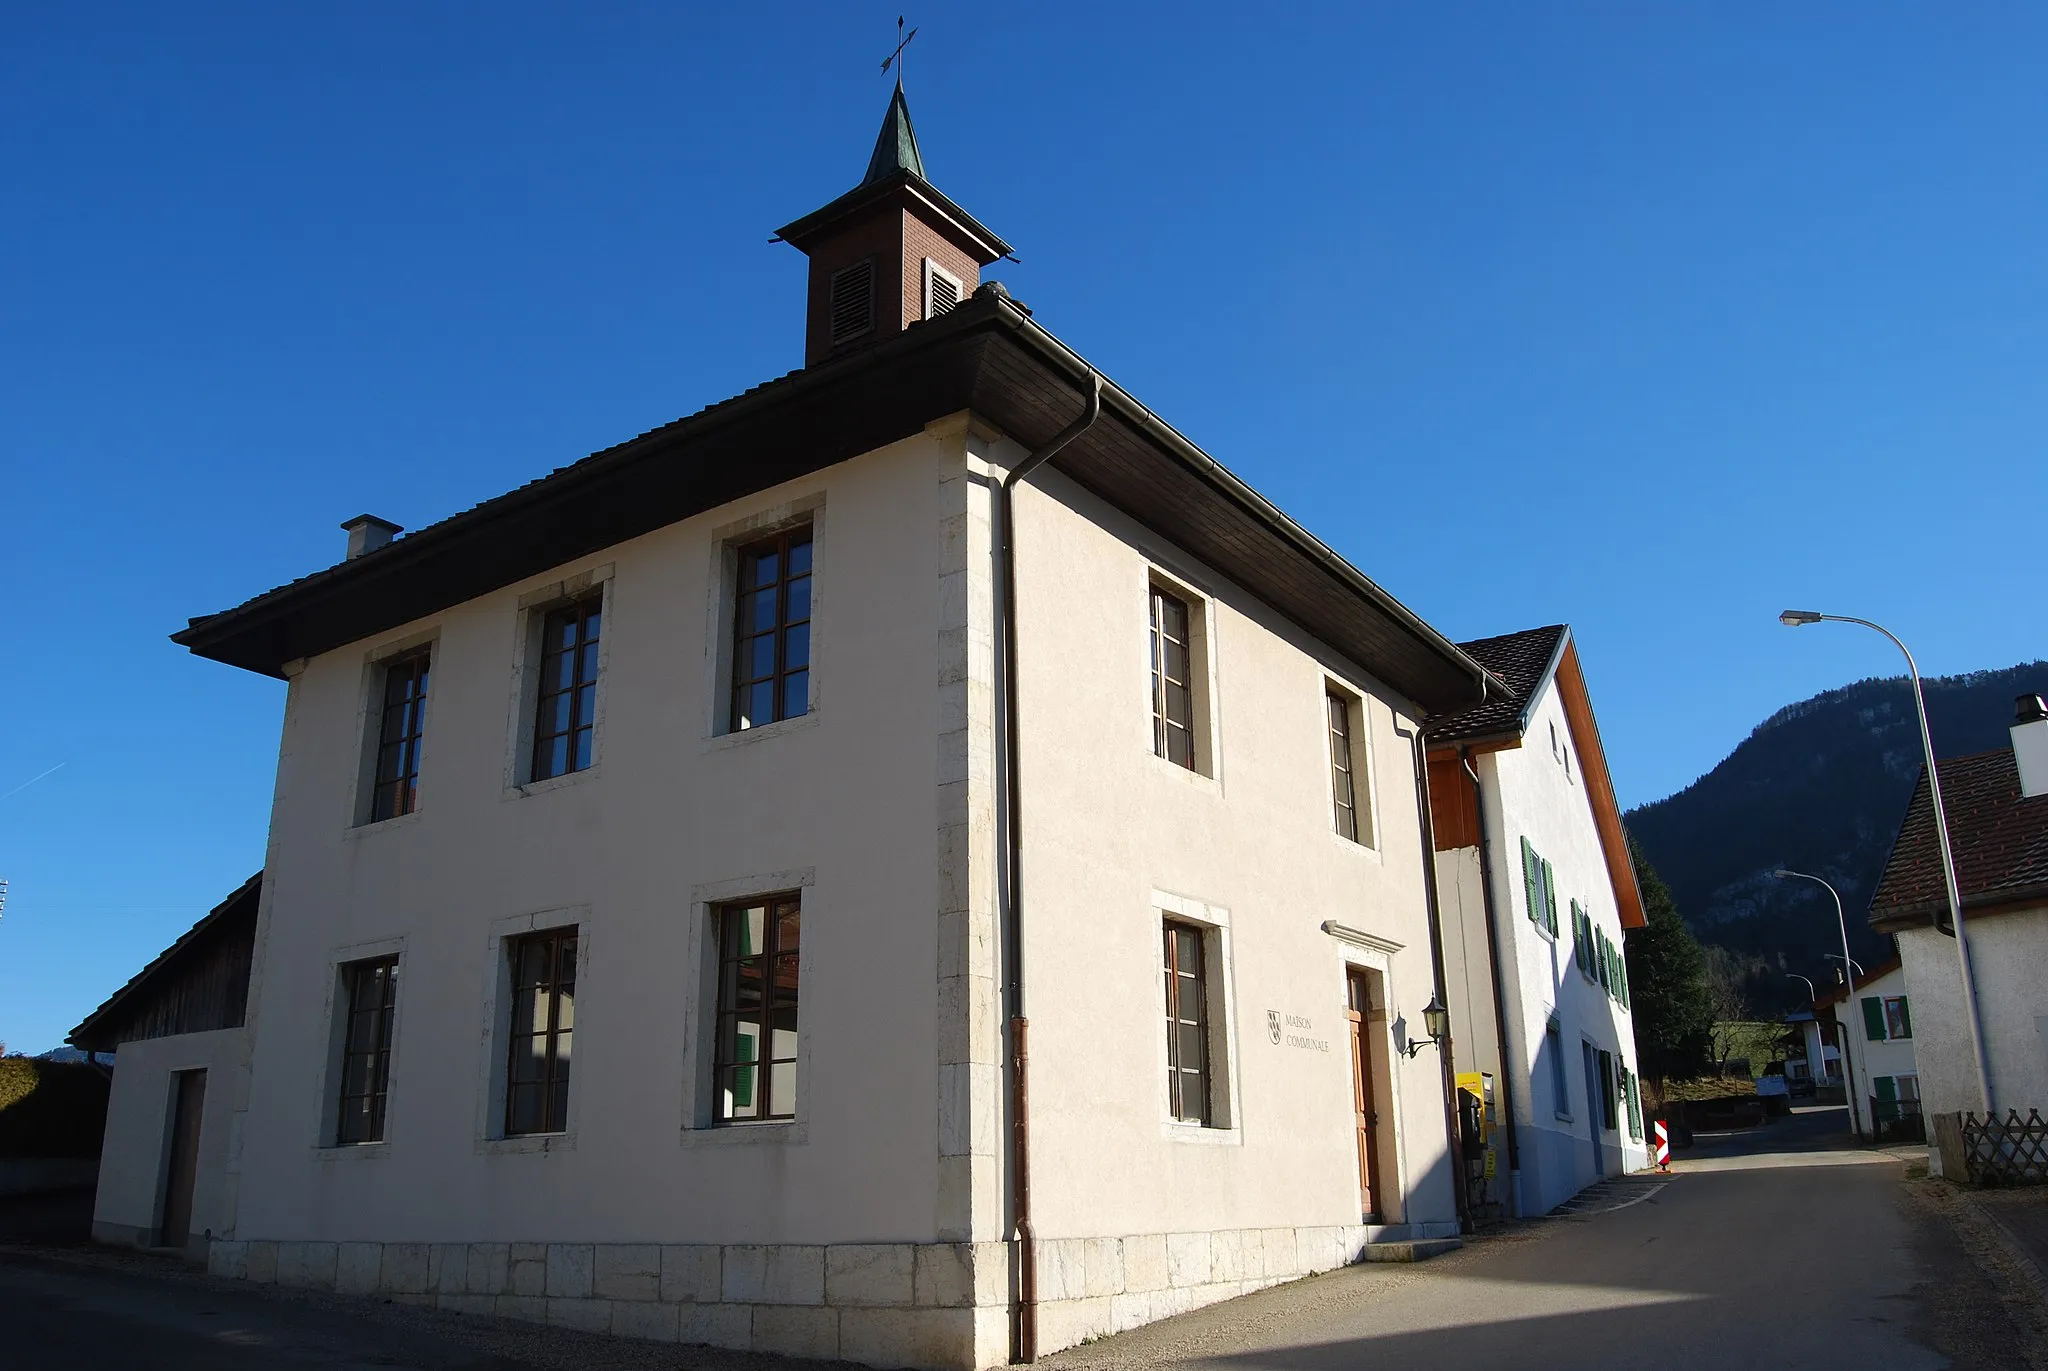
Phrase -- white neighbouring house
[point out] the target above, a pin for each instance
(1538, 891)
(1997, 808)
(1877, 1023)
(691, 767)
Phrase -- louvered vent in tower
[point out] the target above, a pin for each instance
(942, 292)
(853, 300)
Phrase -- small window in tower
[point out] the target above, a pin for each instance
(941, 290)
(853, 300)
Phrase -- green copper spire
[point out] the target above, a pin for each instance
(896, 147)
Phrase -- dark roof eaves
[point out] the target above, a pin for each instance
(478, 518)
(1234, 488)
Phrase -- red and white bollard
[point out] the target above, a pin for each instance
(1663, 1146)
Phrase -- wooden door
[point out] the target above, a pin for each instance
(1364, 1097)
(187, 1108)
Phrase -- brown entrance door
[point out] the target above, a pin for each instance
(187, 1107)
(1364, 1111)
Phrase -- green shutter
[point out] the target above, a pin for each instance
(1532, 882)
(1905, 1018)
(1873, 1018)
(1550, 899)
(1887, 1087)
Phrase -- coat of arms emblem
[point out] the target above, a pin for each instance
(1273, 1026)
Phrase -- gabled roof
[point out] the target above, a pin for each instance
(1522, 662)
(1999, 839)
(234, 916)
(1525, 663)
(1864, 982)
(988, 357)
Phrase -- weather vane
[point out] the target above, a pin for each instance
(895, 59)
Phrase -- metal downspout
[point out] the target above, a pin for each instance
(1445, 1061)
(1024, 1329)
(1500, 1010)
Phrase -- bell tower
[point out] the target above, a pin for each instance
(890, 252)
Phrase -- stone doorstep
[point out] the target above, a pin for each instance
(1412, 1250)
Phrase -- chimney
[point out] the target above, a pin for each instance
(367, 533)
(888, 253)
(2030, 746)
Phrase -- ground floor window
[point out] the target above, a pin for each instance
(755, 1062)
(371, 988)
(1187, 1024)
(542, 1030)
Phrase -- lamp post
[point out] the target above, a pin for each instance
(1793, 618)
(1849, 980)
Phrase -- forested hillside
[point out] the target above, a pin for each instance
(1820, 786)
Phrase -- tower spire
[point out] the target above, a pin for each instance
(896, 145)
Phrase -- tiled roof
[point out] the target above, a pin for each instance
(2000, 842)
(1518, 659)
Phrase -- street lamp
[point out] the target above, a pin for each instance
(1436, 1020)
(1793, 618)
(1811, 993)
(1848, 1077)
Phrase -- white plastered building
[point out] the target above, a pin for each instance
(701, 904)
(1997, 808)
(1538, 892)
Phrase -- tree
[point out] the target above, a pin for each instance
(1667, 981)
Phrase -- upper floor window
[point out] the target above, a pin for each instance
(755, 1057)
(401, 726)
(1343, 793)
(370, 989)
(543, 1027)
(771, 673)
(1187, 1025)
(565, 717)
(1539, 884)
(1350, 774)
(1173, 694)
(1886, 1018)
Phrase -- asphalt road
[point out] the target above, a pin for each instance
(1773, 1249)
(1779, 1248)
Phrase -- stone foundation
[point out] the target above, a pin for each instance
(936, 1305)
(943, 1306)
(1089, 1287)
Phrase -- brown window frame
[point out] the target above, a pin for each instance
(782, 635)
(401, 731)
(561, 948)
(777, 983)
(584, 617)
(1343, 781)
(1178, 936)
(366, 1031)
(1164, 718)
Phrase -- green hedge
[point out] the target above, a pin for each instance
(51, 1109)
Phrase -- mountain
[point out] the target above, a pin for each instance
(1820, 786)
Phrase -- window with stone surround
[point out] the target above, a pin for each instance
(401, 727)
(754, 1065)
(1187, 1024)
(542, 1031)
(771, 660)
(371, 988)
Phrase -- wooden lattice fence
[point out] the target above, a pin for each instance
(1993, 1151)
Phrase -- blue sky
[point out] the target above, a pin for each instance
(1650, 318)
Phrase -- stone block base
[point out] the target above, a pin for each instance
(941, 1306)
